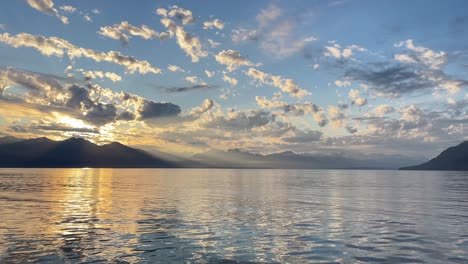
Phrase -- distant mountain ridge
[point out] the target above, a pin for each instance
(235, 158)
(454, 159)
(78, 153)
(74, 153)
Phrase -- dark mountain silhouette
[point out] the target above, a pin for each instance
(9, 139)
(453, 159)
(75, 153)
(290, 160)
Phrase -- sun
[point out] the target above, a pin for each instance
(71, 122)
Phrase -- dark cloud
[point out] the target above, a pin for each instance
(126, 116)
(150, 109)
(95, 112)
(89, 103)
(394, 80)
(351, 129)
(79, 96)
(101, 114)
(190, 88)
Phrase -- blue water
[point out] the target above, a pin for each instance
(232, 216)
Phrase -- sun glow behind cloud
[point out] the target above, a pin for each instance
(72, 122)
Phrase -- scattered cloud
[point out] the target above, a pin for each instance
(47, 7)
(335, 50)
(87, 18)
(232, 81)
(342, 83)
(232, 59)
(382, 110)
(184, 15)
(285, 85)
(209, 73)
(174, 68)
(189, 43)
(215, 23)
(356, 99)
(68, 9)
(194, 79)
(213, 43)
(58, 47)
(421, 55)
(100, 74)
(241, 120)
(124, 30)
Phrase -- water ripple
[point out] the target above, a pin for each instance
(232, 216)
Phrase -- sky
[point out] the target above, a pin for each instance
(183, 77)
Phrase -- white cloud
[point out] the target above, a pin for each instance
(215, 23)
(298, 109)
(123, 31)
(47, 7)
(209, 73)
(213, 43)
(285, 85)
(232, 59)
(342, 83)
(356, 99)
(316, 66)
(182, 14)
(161, 12)
(187, 42)
(432, 59)
(206, 105)
(335, 50)
(100, 74)
(382, 110)
(195, 80)
(451, 101)
(87, 18)
(174, 68)
(68, 9)
(230, 80)
(58, 47)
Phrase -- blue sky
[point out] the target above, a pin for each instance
(263, 76)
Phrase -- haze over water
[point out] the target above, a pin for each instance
(216, 216)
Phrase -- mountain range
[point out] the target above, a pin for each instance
(78, 152)
(73, 152)
(289, 160)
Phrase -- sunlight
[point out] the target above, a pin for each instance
(73, 122)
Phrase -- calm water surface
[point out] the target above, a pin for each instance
(232, 216)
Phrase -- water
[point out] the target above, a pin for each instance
(232, 216)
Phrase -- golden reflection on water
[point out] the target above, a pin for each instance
(174, 216)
